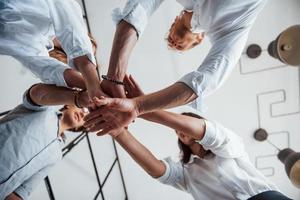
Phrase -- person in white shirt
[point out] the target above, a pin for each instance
(214, 164)
(73, 78)
(226, 24)
(27, 28)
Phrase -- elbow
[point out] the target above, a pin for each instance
(159, 171)
(155, 175)
(37, 93)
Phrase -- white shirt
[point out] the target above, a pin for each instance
(225, 22)
(29, 147)
(27, 27)
(225, 174)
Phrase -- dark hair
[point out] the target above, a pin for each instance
(185, 151)
(79, 129)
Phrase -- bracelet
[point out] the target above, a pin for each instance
(105, 77)
(76, 99)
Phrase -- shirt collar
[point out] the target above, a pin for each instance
(194, 157)
(194, 6)
(61, 137)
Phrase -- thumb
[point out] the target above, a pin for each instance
(102, 101)
(107, 102)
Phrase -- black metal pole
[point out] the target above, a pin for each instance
(49, 188)
(120, 169)
(95, 167)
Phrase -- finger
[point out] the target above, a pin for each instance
(127, 87)
(102, 101)
(128, 84)
(93, 114)
(104, 131)
(133, 81)
(94, 121)
(90, 123)
(126, 77)
(98, 127)
(100, 133)
(107, 123)
(92, 106)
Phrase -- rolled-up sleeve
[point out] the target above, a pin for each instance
(221, 141)
(223, 56)
(71, 30)
(49, 70)
(173, 175)
(136, 13)
(27, 102)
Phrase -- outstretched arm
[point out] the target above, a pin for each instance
(194, 127)
(12, 196)
(141, 154)
(44, 94)
(191, 126)
(90, 76)
(74, 79)
(131, 23)
(71, 31)
(124, 41)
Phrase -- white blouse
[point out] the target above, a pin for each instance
(225, 174)
(225, 22)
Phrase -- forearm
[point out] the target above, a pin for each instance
(175, 95)
(141, 154)
(194, 127)
(74, 79)
(43, 94)
(13, 196)
(88, 71)
(124, 41)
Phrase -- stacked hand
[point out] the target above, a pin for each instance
(93, 92)
(113, 90)
(114, 114)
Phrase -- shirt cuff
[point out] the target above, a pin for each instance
(22, 192)
(209, 136)
(134, 13)
(164, 178)
(29, 104)
(60, 79)
(77, 52)
(195, 81)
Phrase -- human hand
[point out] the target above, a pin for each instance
(97, 93)
(83, 99)
(132, 88)
(112, 89)
(111, 114)
(116, 133)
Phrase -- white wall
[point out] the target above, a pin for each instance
(242, 104)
